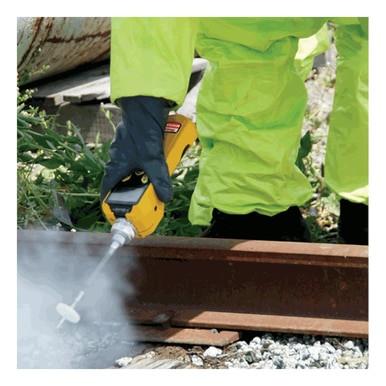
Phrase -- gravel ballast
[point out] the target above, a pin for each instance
(266, 351)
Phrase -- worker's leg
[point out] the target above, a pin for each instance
(346, 168)
(250, 112)
(151, 57)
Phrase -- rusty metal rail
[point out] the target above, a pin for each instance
(236, 285)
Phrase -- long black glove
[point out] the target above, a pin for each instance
(138, 144)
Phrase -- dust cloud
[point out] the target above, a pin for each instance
(48, 274)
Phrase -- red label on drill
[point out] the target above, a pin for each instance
(172, 127)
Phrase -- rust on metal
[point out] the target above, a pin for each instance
(61, 43)
(189, 248)
(237, 284)
(35, 29)
(195, 336)
(255, 322)
(58, 39)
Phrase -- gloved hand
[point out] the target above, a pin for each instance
(138, 144)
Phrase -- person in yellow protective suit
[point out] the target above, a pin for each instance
(249, 116)
(346, 164)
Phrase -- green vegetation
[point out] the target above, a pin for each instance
(58, 174)
(322, 211)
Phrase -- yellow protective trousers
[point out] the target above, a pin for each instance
(251, 104)
(346, 164)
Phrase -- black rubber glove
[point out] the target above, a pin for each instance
(138, 144)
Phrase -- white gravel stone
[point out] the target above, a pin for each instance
(314, 353)
(243, 364)
(277, 351)
(305, 354)
(212, 352)
(329, 347)
(149, 355)
(291, 363)
(266, 354)
(242, 346)
(349, 345)
(278, 363)
(256, 341)
(197, 361)
(123, 362)
(357, 353)
(323, 356)
(252, 356)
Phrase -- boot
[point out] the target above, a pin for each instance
(353, 223)
(285, 226)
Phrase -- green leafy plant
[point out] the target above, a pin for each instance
(322, 211)
(304, 150)
(58, 174)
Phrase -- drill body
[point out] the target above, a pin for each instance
(133, 207)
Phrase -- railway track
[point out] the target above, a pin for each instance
(207, 291)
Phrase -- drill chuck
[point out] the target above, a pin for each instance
(122, 232)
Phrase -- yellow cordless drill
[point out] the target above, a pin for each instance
(132, 207)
